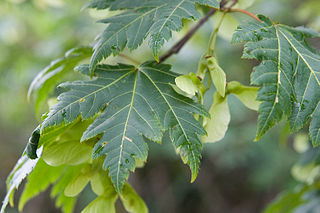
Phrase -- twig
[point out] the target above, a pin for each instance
(245, 12)
(177, 47)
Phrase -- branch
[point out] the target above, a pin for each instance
(177, 47)
(246, 13)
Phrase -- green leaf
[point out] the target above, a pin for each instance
(156, 19)
(131, 201)
(288, 201)
(21, 170)
(69, 152)
(57, 191)
(48, 78)
(217, 74)
(76, 185)
(115, 4)
(39, 180)
(289, 74)
(137, 103)
(247, 95)
(217, 125)
(102, 204)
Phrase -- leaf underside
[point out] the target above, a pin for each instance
(136, 103)
(289, 74)
(153, 19)
(47, 79)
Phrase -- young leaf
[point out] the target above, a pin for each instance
(41, 177)
(217, 74)
(69, 152)
(131, 201)
(217, 125)
(288, 73)
(23, 167)
(76, 185)
(48, 78)
(57, 191)
(102, 204)
(154, 18)
(139, 102)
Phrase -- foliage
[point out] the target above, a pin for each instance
(289, 73)
(104, 122)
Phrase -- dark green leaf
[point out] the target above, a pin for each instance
(154, 18)
(289, 74)
(139, 102)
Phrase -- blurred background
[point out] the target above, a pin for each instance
(236, 175)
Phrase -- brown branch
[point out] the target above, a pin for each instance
(178, 46)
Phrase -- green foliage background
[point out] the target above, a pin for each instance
(236, 174)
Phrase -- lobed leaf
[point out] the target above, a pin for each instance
(48, 78)
(289, 74)
(156, 19)
(136, 103)
(21, 170)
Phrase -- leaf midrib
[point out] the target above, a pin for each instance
(309, 67)
(126, 26)
(126, 125)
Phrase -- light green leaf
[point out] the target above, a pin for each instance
(247, 95)
(288, 201)
(69, 152)
(39, 180)
(57, 191)
(190, 84)
(288, 73)
(101, 204)
(47, 79)
(186, 84)
(131, 201)
(218, 76)
(23, 168)
(100, 181)
(77, 185)
(156, 19)
(137, 102)
(217, 125)
(179, 91)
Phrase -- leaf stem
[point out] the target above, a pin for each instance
(244, 12)
(213, 37)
